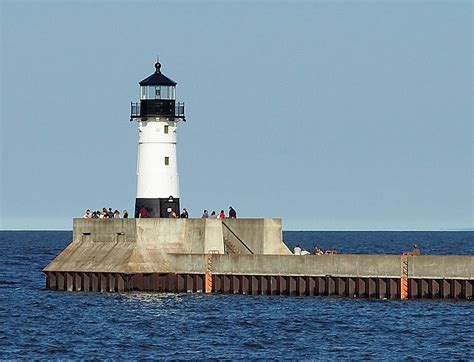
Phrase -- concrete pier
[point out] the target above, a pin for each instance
(244, 256)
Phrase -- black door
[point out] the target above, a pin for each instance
(168, 205)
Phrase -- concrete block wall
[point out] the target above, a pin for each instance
(100, 230)
(315, 265)
(360, 266)
(181, 246)
(262, 236)
(443, 267)
(169, 235)
(145, 245)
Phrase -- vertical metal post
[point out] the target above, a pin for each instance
(404, 277)
(208, 277)
(208, 287)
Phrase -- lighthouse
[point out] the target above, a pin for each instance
(157, 116)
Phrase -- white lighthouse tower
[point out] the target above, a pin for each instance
(157, 116)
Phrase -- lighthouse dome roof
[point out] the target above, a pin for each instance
(157, 78)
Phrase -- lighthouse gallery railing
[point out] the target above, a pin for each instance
(135, 111)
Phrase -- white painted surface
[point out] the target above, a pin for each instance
(154, 178)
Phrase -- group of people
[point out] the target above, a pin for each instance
(105, 214)
(232, 214)
(143, 213)
(316, 251)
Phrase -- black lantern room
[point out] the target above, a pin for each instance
(157, 98)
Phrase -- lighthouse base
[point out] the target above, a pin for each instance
(158, 207)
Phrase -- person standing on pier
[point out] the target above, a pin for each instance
(416, 250)
(143, 213)
(232, 213)
(297, 250)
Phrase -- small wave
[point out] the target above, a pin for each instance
(252, 345)
(8, 282)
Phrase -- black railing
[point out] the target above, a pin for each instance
(179, 109)
(135, 111)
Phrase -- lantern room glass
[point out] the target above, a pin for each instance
(157, 92)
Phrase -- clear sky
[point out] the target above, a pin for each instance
(331, 115)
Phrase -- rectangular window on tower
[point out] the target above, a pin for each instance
(167, 161)
(167, 129)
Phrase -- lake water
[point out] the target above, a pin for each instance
(39, 324)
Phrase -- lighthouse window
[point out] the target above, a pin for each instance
(164, 92)
(167, 161)
(167, 129)
(157, 92)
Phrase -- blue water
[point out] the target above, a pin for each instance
(385, 242)
(39, 324)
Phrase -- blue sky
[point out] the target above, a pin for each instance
(332, 115)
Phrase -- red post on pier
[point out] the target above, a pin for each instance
(208, 278)
(208, 288)
(404, 277)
